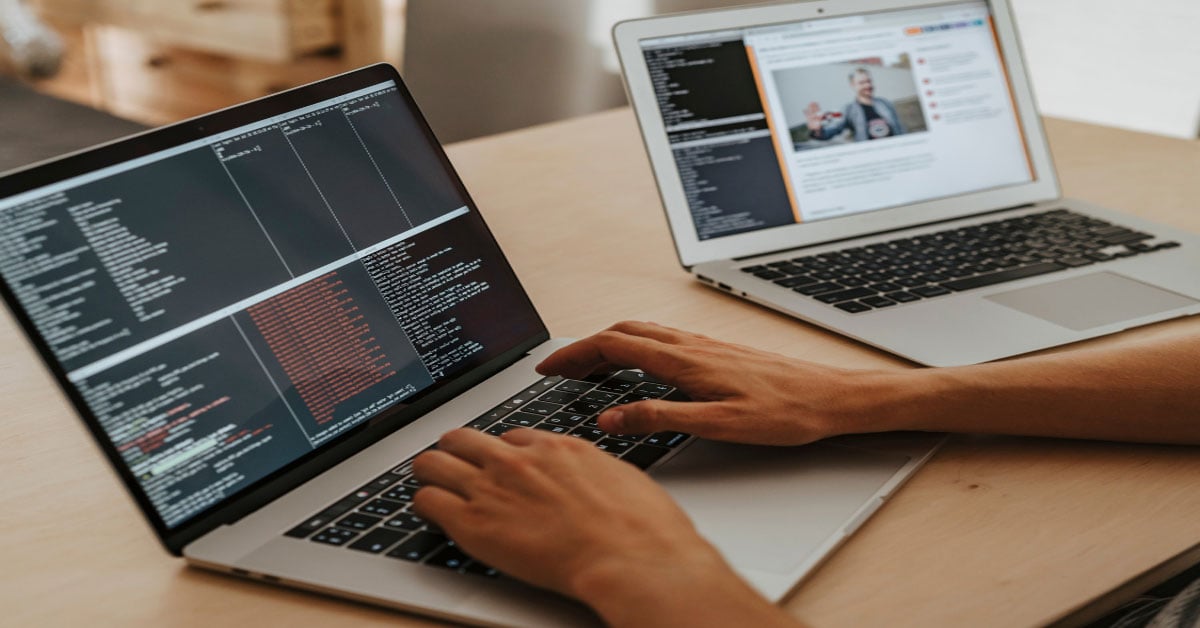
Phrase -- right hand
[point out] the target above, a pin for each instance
(739, 394)
(814, 116)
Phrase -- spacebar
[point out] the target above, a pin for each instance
(1011, 274)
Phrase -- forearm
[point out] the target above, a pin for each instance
(705, 594)
(1145, 393)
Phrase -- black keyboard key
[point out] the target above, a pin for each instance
(600, 397)
(615, 386)
(400, 494)
(845, 295)
(541, 407)
(930, 291)
(1125, 238)
(384, 481)
(499, 429)
(573, 386)
(418, 546)
(884, 286)
(358, 521)
(549, 427)
(642, 456)
(817, 288)
(853, 307)
(1074, 261)
(878, 301)
(614, 446)
(1013, 274)
(769, 274)
(584, 407)
(653, 389)
(404, 521)
(569, 419)
(561, 397)
(588, 433)
(381, 507)
(449, 557)
(334, 536)
(754, 269)
(480, 424)
(634, 377)
(632, 397)
(523, 419)
(309, 526)
(376, 541)
(1166, 245)
(1108, 230)
(666, 439)
(796, 282)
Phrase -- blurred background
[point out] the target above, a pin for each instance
(480, 67)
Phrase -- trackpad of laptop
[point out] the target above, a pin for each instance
(768, 508)
(1091, 300)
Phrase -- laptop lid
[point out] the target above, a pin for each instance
(783, 125)
(236, 302)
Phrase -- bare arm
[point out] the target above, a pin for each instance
(1139, 392)
(1147, 392)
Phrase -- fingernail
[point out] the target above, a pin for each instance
(616, 418)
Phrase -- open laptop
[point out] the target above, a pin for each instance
(264, 313)
(878, 168)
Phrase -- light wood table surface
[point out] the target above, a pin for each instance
(994, 531)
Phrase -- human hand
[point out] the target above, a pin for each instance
(814, 116)
(738, 394)
(556, 512)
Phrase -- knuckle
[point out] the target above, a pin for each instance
(609, 336)
(511, 461)
(622, 326)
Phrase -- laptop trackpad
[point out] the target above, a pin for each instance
(1091, 301)
(768, 508)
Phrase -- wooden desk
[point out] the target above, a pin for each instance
(994, 531)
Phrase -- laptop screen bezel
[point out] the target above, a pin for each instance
(629, 36)
(314, 462)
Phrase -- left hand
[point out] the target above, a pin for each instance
(558, 513)
(554, 511)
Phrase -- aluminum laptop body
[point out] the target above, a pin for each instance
(764, 153)
(260, 312)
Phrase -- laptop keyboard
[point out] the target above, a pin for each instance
(378, 518)
(904, 270)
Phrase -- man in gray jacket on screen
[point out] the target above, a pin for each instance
(867, 116)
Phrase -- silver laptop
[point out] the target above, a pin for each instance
(878, 168)
(262, 314)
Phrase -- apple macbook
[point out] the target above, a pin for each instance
(264, 313)
(878, 168)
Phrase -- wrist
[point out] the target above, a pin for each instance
(643, 592)
(898, 400)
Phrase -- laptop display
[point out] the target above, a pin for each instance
(226, 306)
(798, 122)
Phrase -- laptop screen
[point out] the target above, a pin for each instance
(231, 304)
(792, 123)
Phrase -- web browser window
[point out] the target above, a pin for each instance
(783, 124)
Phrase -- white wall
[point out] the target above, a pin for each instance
(1126, 63)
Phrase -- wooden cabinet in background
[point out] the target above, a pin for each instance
(158, 61)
